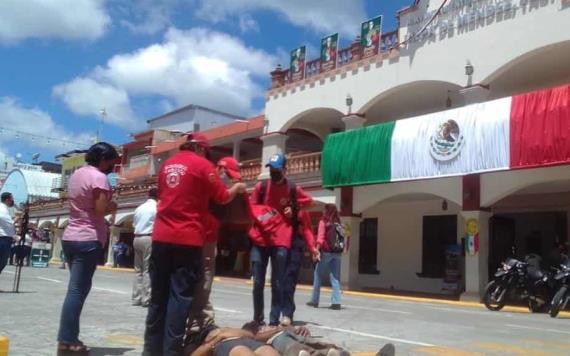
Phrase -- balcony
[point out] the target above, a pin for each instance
(307, 165)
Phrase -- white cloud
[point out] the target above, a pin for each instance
(323, 16)
(148, 16)
(35, 128)
(61, 19)
(248, 24)
(86, 97)
(197, 66)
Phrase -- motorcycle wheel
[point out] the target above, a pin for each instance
(494, 288)
(557, 302)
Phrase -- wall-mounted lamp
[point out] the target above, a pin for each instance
(448, 102)
(444, 205)
(349, 103)
(469, 69)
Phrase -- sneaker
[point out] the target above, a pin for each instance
(311, 304)
(286, 321)
(335, 307)
(387, 350)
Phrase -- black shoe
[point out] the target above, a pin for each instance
(335, 307)
(311, 304)
(387, 350)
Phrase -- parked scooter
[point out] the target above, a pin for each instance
(562, 296)
(518, 280)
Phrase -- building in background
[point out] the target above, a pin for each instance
(29, 183)
(191, 118)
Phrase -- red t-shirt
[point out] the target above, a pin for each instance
(278, 197)
(186, 184)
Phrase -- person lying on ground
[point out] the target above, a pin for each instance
(231, 342)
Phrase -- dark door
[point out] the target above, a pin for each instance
(501, 241)
(438, 233)
(368, 247)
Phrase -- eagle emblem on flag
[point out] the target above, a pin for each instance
(447, 141)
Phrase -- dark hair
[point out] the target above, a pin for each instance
(153, 193)
(5, 196)
(101, 151)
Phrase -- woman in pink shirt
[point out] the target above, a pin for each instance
(330, 259)
(89, 195)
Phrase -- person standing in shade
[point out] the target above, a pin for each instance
(187, 182)
(143, 222)
(330, 258)
(7, 229)
(90, 200)
(286, 198)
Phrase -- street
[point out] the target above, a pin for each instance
(111, 326)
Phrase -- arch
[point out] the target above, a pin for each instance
(320, 121)
(499, 185)
(123, 218)
(412, 99)
(303, 140)
(537, 69)
(450, 189)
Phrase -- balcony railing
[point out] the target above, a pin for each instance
(344, 56)
(312, 68)
(296, 164)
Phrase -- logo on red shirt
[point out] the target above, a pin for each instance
(173, 174)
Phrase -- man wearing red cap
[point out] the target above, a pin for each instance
(202, 313)
(187, 182)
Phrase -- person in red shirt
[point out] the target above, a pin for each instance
(277, 194)
(202, 312)
(187, 182)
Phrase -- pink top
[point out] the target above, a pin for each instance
(84, 224)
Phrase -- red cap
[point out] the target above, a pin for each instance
(200, 139)
(231, 166)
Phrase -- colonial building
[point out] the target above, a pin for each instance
(465, 61)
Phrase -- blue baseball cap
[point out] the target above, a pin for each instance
(277, 162)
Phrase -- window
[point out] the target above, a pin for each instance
(438, 233)
(368, 250)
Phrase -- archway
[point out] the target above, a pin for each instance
(412, 99)
(319, 121)
(542, 68)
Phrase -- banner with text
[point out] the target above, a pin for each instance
(297, 66)
(370, 34)
(329, 47)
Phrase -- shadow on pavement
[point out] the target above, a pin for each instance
(98, 351)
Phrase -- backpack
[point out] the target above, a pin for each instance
(267, 222)
(292, 197)
(335, 237)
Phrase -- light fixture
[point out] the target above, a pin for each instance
(349, 103)
(469, 69)
(448, 102)
(444, 205)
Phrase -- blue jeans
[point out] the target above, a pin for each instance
(175, 272)
(5, 250)
(295, 261)
(330, 262)
(259, 260)
(82, 258)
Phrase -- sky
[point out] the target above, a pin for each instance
(62, 61)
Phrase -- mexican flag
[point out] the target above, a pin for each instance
(529, 130)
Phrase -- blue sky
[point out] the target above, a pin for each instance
(63, 61)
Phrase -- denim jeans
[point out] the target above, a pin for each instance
(259, 260)
(296, 255)
(175, 273)
(5, 250)
(330, 262)
(82, 258)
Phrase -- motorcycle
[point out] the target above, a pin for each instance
(518, 280)
(562, 296)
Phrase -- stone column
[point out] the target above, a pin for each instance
(349, 262)
(353, 121)
(115, 232)
(57, 235)
(236, 148)
(477, 265)
(273, 143)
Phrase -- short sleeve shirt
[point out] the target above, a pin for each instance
(186, 185)
(84, 224)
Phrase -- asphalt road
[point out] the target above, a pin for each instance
(111, 326)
